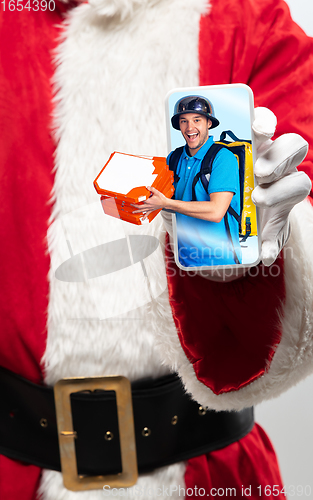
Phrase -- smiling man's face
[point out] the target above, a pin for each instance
(195, 129)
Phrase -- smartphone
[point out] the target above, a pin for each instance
(212, 153)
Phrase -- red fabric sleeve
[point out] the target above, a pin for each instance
(18, 481)
(26, 181)
(249, 463)
(228, 330)
(257, 43)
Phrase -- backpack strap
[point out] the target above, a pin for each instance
(233, 212)
(206, 168)
(173, 161)
(230, 238)
(231, 134)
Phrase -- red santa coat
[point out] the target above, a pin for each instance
(237, 43)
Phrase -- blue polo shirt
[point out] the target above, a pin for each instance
(200, 242)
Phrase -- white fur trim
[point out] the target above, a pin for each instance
(149, 486)
(121, 9)
(111, 82)
(293, 359)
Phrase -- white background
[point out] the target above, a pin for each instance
(288, 420)
(302, 13)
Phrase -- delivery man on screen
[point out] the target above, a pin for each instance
(207, 234)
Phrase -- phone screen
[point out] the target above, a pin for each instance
(211, 151)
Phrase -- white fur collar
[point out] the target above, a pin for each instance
(112, 79)
(120, 8)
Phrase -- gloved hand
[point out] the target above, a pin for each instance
(280, 185)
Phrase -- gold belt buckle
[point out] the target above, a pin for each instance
(62, 391)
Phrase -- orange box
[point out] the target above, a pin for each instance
(123, 180)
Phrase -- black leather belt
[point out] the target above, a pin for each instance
(169, 426)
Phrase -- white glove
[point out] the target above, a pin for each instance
(280, 188)
(280, 185)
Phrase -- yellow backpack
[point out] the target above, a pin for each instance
(243, 152)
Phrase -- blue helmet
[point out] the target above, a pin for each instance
(194, 104)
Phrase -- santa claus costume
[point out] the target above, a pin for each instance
(78, 82)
